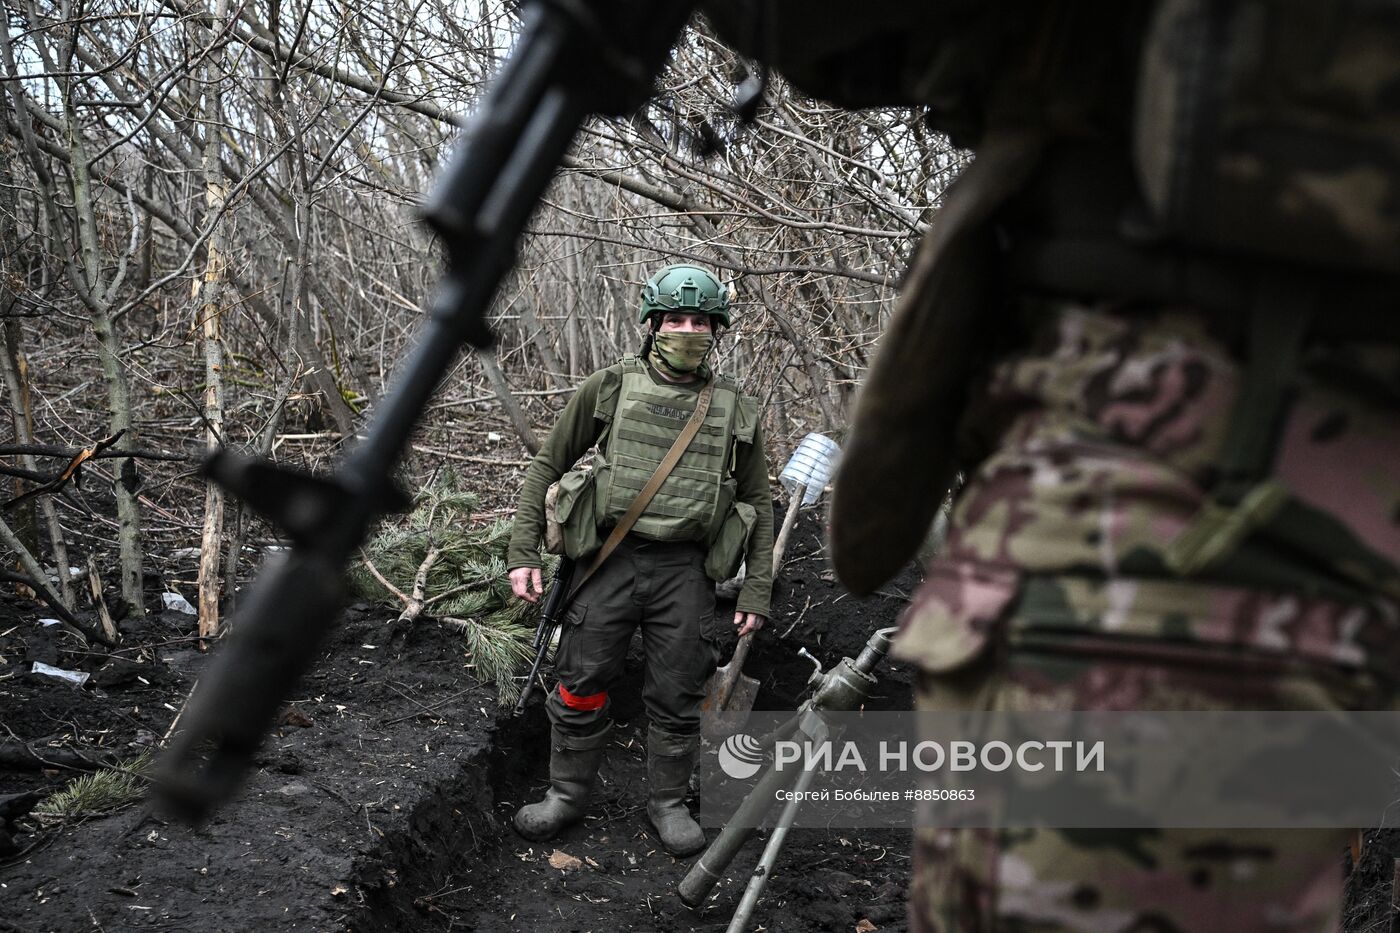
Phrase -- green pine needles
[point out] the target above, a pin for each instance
(466, 587)
(100, 792)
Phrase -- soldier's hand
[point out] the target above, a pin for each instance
(747, 622)
(527, 583)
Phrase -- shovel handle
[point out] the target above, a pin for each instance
(785, 532)
(735, 668)
(741, 652)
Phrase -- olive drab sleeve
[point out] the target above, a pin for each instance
(574, 433)
(751, 477)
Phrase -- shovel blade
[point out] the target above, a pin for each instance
(716, 723)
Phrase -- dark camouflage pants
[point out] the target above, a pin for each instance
(663, 588)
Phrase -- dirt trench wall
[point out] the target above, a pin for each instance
(358, 780)
(451, 825)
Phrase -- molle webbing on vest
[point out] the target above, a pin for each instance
(645, 424)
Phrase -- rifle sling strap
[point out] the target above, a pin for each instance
(653, 486)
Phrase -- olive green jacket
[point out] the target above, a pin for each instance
(578, 430)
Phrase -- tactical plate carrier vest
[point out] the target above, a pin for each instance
(698, 494)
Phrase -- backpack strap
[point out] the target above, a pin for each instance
(1244, 501)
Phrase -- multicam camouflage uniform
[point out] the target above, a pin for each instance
(1163, 201)
(1052, 593)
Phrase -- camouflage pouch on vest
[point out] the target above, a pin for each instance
(570, 528)
(1273, 127)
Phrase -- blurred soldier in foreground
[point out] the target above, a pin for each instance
(1155, 323)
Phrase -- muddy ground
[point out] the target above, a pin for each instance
(383, 800)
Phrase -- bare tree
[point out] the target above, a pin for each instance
(218, 209)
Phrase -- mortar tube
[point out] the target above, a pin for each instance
(709, 868)
(875, 649)
(761, 872)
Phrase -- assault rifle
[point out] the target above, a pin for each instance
(574, 59)
(551, 617)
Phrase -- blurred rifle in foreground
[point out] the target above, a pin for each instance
(573, 59)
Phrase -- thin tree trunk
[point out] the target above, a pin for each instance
(550, 361)
(571, 340)
(128, 481)
(86, 275)
(22, 418)
(24, 518)
(508, 400)
(210, 310)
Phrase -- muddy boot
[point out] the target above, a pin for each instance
(573, 764)
(670, 758)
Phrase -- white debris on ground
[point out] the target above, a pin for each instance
(177, 603)
(77, 678)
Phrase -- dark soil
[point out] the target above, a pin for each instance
(363, 777)
(383, 801)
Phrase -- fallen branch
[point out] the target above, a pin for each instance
(509, 402)
(468, 458)
(51, 450)
(429, 709)
(414, 608)
(17, 756)
(374, 571)
(109, 628)
(21, 473)
(51, 600)
(73, 471)
(37, 580)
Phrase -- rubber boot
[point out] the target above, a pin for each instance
(670, 759)
(573, 765)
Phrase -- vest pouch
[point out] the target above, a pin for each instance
(731, 543)
(724, 505)
(570, 528)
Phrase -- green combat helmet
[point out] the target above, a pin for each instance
(684, 288)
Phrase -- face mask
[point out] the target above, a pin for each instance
(681, 354)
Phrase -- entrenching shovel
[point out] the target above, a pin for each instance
(729, 693)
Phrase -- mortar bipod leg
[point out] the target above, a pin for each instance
(764, 869)
(710, 866)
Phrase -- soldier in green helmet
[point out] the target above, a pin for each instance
(713, 511)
